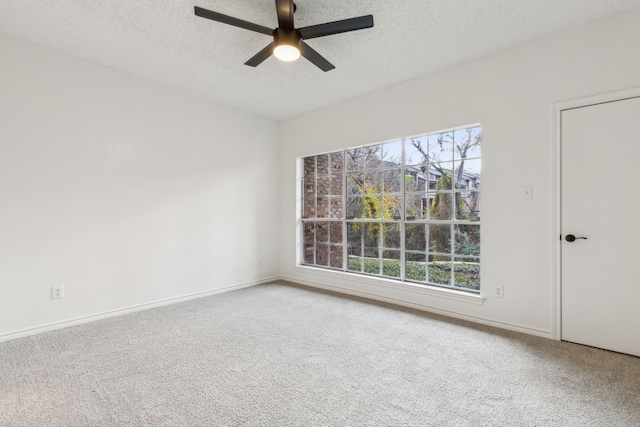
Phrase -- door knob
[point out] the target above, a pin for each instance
(572, 238)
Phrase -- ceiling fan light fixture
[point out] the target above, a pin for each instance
(286, 52)
(287, 44)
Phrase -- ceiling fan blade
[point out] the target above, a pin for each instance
(259, 57)
(215, 16)
(285, 9)
(336, 27)
(315, 58)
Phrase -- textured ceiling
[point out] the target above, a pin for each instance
(165, 42)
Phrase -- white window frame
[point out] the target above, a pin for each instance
(402, 222)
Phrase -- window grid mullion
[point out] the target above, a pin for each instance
(345, 241)
(315, 203)
(403, 178)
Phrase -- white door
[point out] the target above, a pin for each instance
(600, 277)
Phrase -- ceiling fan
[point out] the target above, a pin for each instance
(288, 42)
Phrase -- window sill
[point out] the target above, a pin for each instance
(451, 294)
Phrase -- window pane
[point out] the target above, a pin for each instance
(415, 237)
(371, 261)
(416, 206)
(323, 185)
(309, 187)
(355, 159)
(439, 238)
(355, 184)
(337, 163)
(354, 233)
(416, 151)
(335, 256)
(373, 181)
(443, 173)
(309, 229)
(439, 269)
(371, 252)
(322, 254)
(467, 240)
(336, 185)
(442, 206)
(354, 259)
(416, 266)
(469, 202)
(392, 181)
(372, 207)
(391, 263)
(392, 154)
(471, 169)
(354, 207)
(335, 232)
(392, 206)
(371, 232)
(309, 167)
(335, 207)
(432, 179)
(322, 164)
(467, 273)
(415, 180)
(309, 207)
(467, 143)
(372, 156)
(322, 232)
(322, 207)
(441, 147)
(355, 251)
(309, 253)
(391, 236)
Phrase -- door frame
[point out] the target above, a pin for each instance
(556, 193)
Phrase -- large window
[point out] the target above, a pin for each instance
(407, 209)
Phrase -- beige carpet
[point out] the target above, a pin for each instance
(282, 355)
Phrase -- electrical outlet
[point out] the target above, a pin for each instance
(498, 291)
(526, 192)
(57, 292)
(259, 263)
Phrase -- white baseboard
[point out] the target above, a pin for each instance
(98, 316)
(423, 307)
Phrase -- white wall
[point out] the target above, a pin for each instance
(511, 94)
(127, 192)
(123, 191)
